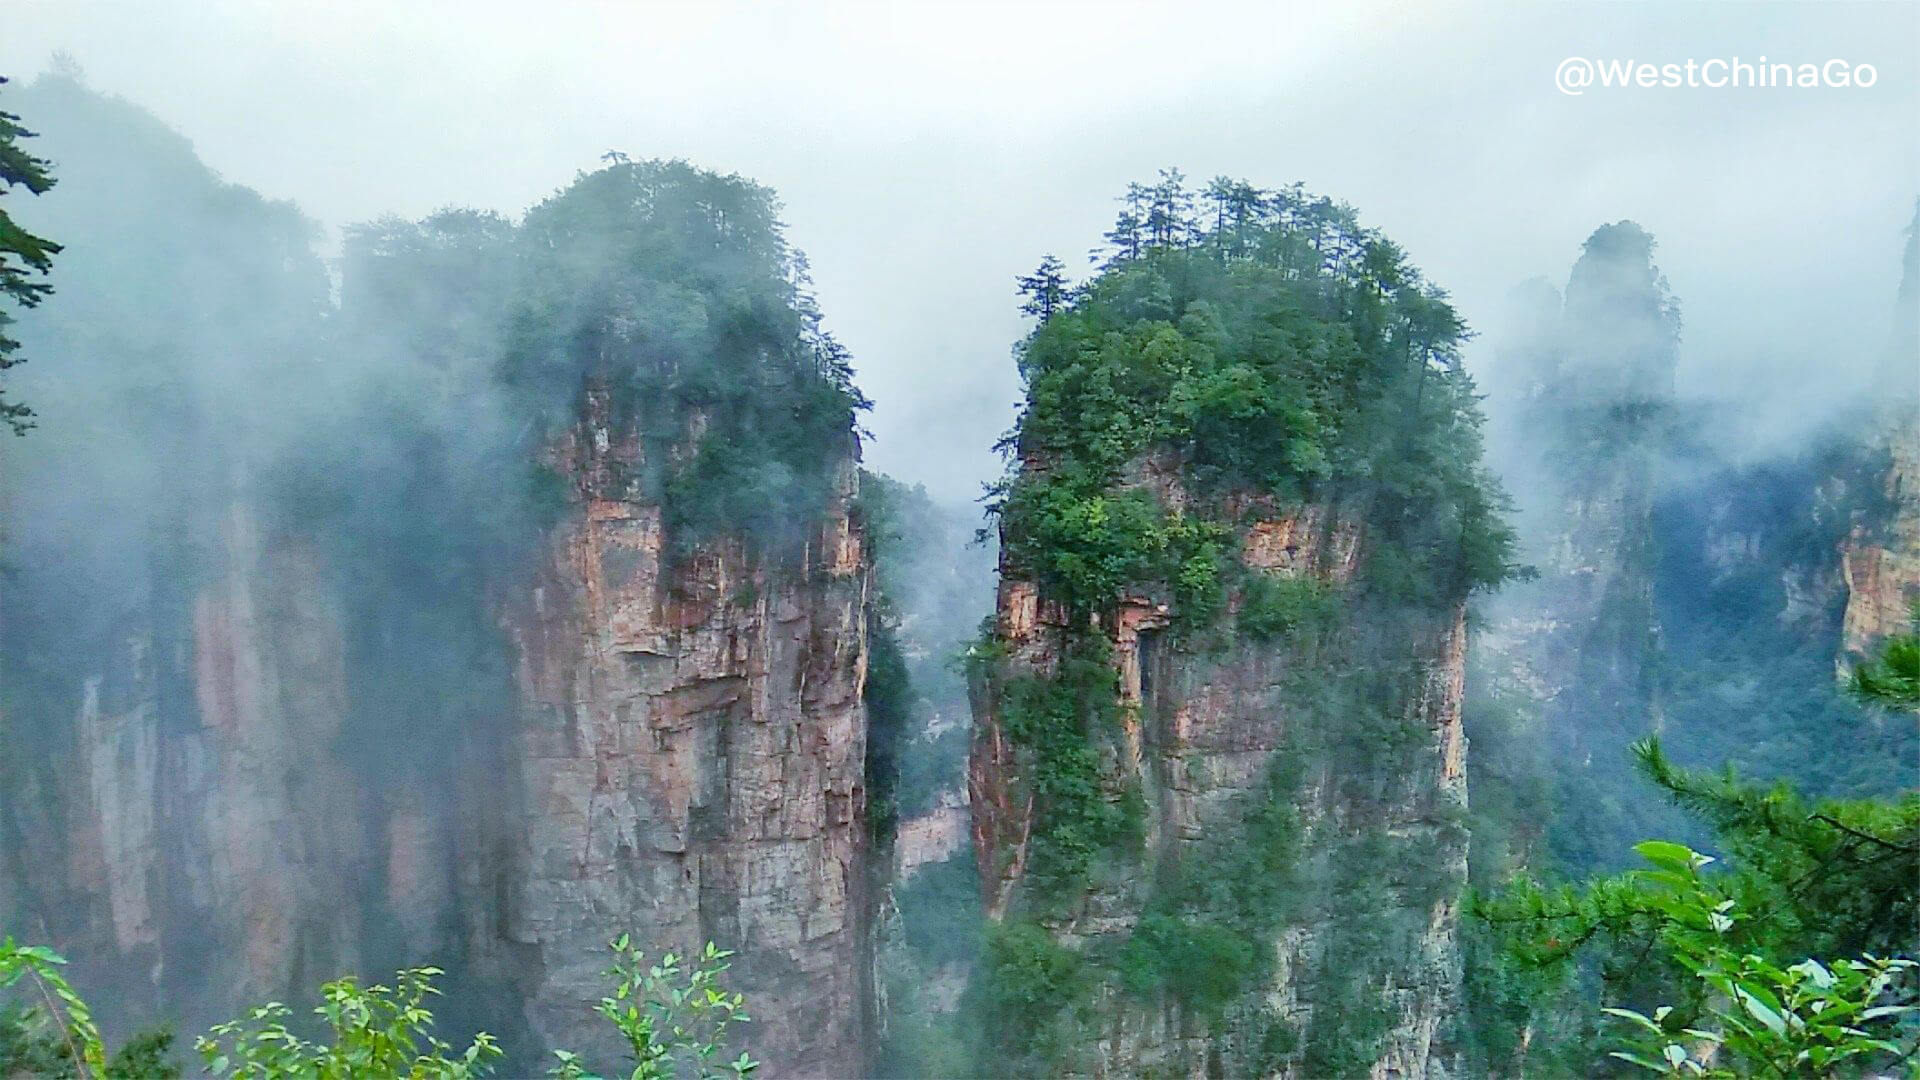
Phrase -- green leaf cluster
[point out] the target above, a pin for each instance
(376, 1030)
(1755, 1017)
(673, 1014)
(1833, 878)
(1029, 994)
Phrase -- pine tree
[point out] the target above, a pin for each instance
(21, 252)
(1046, 289)
(1125, 236)
(1170, 211)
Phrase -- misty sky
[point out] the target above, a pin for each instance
(927, 154)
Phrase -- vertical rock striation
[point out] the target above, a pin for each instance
(1881, 565)
(692, 764)
(1350, 730)
(298, 681)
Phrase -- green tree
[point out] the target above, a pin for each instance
(376, 1030)
(22, 254)
(39, 968)
(674, 1016)
(1046, 289)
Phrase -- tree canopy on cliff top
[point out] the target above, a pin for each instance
(1273, 346)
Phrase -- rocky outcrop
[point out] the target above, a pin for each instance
(303, 675)
(1690, 587)
(1367, 924)
(685, 765)
(691, 765)
(208, 827)
(932, 837)
(1880, 561)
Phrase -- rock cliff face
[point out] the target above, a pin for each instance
(1881, 567)
(297, 680)
(685, 764)
(692, 767)
(1351, 732)
(197, 842)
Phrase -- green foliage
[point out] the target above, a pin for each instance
(673, 1015)
(1026, 990)
(32, 1047)
(1089, 547)
(675, 289)
(1201, 939)
(1272, 606)
(1892, 678)
(1799, 1020)
(1283, 352)
(1055, 722)
(38, 969)
(1833, 878)
(21, 252)
(889, 699)
(1830, 877)
(1201, 965)
(1521, 1018)
(1758, 1018)
(940, 910)
(1349, 977)
(376, 1030)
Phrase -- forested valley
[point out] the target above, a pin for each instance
(481, 647)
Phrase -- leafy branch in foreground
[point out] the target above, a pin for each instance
(40, 968)
(671, 1015)
(1804, 877)
(674, 1016)
(376, 1031)
(1760, 1018)
(1836, 876)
